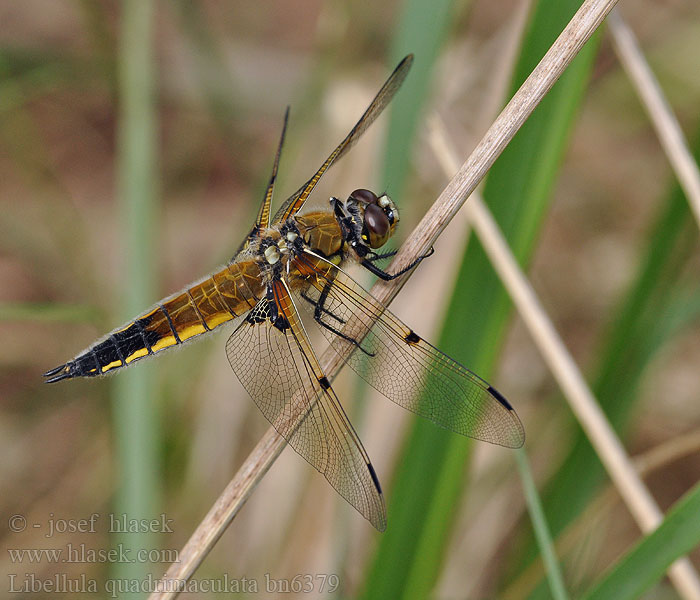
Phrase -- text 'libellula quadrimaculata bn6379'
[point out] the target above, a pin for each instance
(295, 260)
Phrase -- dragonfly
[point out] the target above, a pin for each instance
(294, 260)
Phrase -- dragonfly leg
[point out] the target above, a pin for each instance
(319, 310)
(368, 263)
(314, 303)
(374, 256)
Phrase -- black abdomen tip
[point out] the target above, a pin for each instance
(85, 365)
(59, 373)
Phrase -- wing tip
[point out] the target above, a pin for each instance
(519, 441)
(377, 520)
(516, 441)
(379, 524)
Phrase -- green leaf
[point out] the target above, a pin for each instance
(647, 562)
(422, 29)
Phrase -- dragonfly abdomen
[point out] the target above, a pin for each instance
(192, 312)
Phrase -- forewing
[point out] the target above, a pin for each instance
(294, 203)
(403, 366)
(278, 368)
(262, 221)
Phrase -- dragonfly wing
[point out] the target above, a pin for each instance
(262, 221)
(400, 364)
(295, 202)
(272, 357)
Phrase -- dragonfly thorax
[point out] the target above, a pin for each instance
(276, 248)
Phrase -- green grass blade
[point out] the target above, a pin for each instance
(429, 478)
(135, 421)
(422, 29)
(539, 524)
(647, 562)
(213, 72)
(49, 313)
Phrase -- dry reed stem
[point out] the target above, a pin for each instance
(583, 24)
(603, 438)
(662, 118)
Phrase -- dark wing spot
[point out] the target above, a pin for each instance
(255, 316)
(259, 314)
(373, 473)
(412, 338)
(498, 396)
(325, 384)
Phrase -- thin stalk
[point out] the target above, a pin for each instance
(602, 506)
(135, 422)
(539, 524)
(662, 118)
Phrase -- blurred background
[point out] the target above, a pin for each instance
(586, 199)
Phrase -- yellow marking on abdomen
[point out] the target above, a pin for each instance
(190, 331)
(214, 320)
(134, 355)
(165, 342)
(112, 365)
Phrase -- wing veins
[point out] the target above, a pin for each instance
(271, 355)
(296, 201)
(314, 371)
(339, 420)
(457, 399)
(381, 316)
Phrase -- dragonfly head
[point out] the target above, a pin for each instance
(369, 220)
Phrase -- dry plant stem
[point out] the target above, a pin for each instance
(668, 452)
(579, 396)
(221, 514)
(577, 32)
(650, 93)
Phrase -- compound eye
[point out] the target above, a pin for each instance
(364, 196)
(377, 226)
